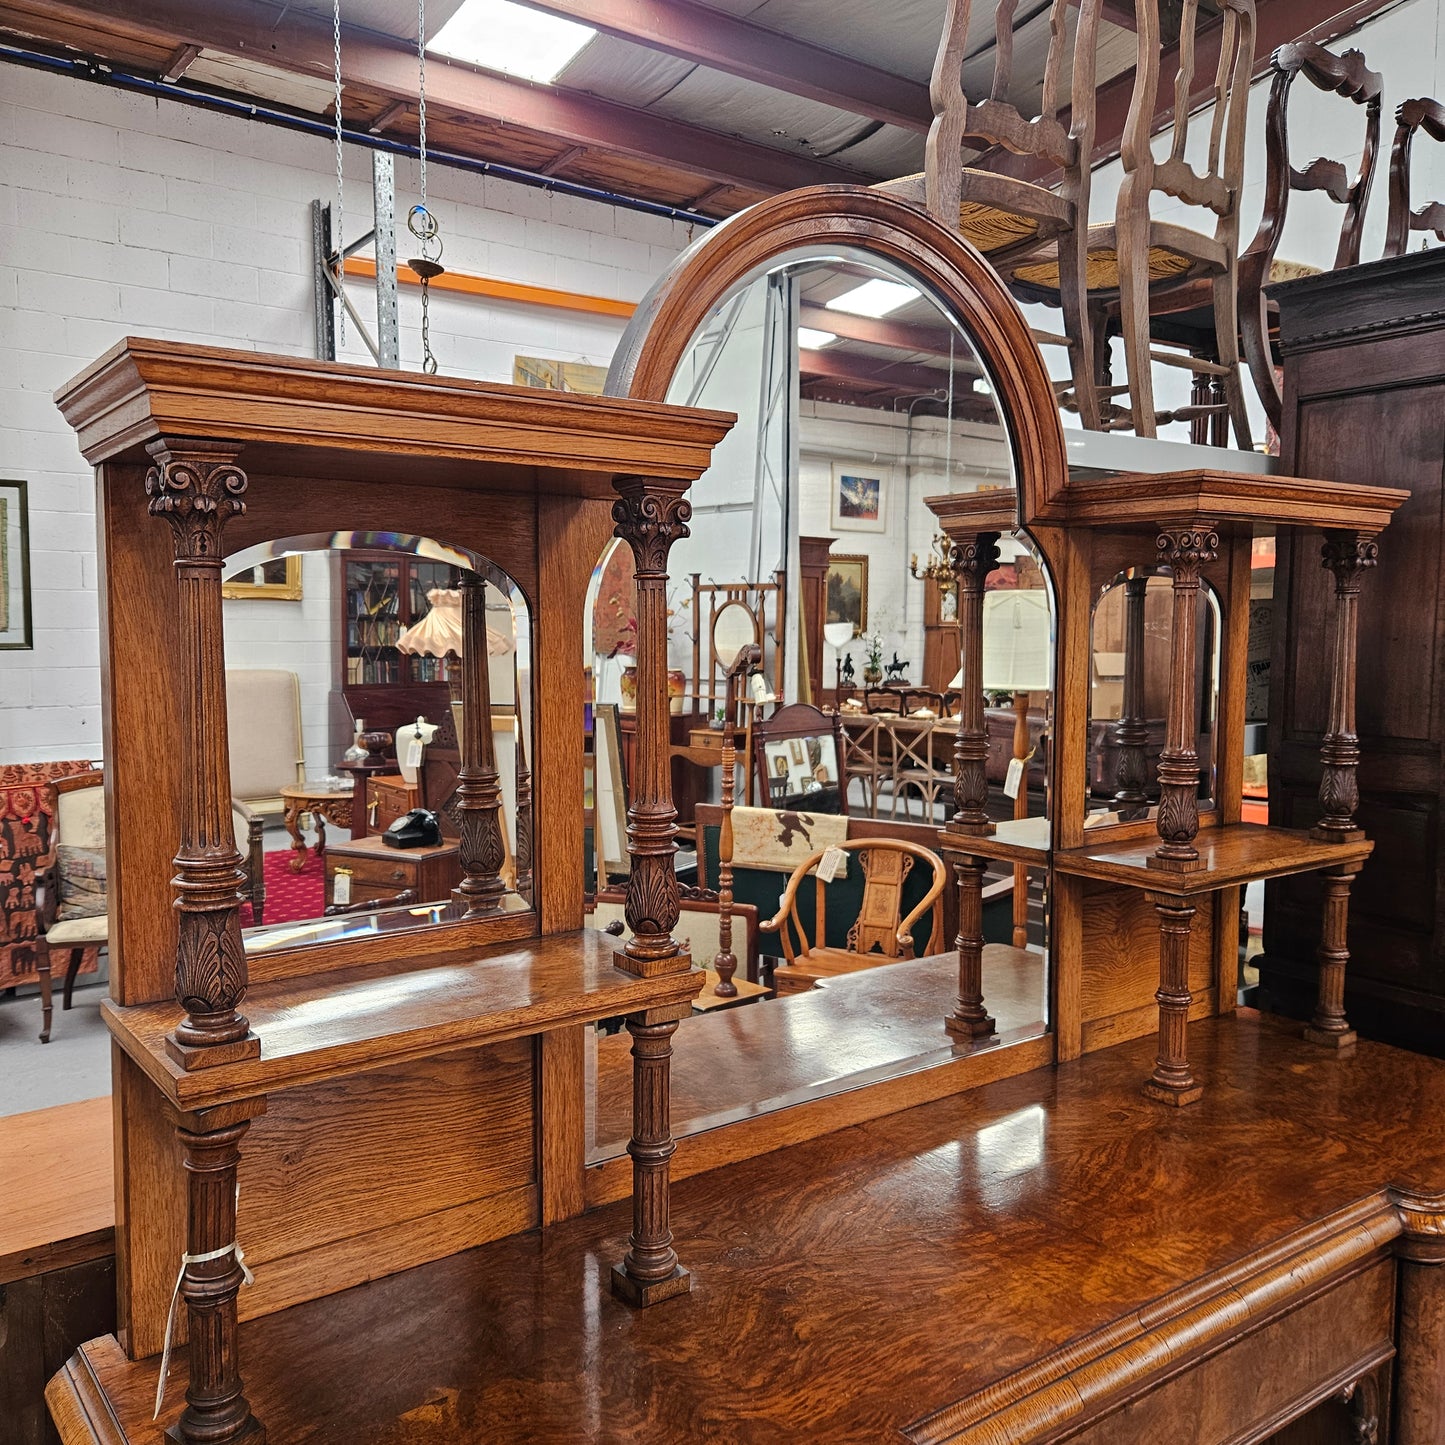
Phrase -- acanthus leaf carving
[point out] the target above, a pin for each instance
(650, 519)
(197, 487)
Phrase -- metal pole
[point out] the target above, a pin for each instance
(383, 197)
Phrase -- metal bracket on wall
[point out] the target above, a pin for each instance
(327, 261)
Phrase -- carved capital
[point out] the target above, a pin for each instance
(973, 558)
(197, 487)
(1185, 549)
(1348, 555)
(651, 515)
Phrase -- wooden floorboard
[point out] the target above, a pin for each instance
(56, 1186)
(751, 1059)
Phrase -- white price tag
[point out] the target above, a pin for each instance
(341, 887)
(1013, 779)
(413, 752)
(833, 864)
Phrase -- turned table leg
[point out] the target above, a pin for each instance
(216, 1412)
(1329, 1026)
(1173, 1081)
(649, 1272)
(969, 1017)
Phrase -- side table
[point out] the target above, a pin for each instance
(325, 805)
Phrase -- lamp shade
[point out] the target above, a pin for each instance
(838, 634)
(1017, 640)
(440, 631)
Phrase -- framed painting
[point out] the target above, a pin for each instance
(846, 592)
(15, 625)
(859, 499)
(277, 577)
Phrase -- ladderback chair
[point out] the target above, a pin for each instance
(881, 932)
(1429, 116)
(1005, 216)
(1347, 76)
(1137, 260)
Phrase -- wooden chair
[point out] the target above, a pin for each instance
(1344, 75)
(1137, 260)
(1429, 116)
(1001, 215)
(878, 935)
(263, 720)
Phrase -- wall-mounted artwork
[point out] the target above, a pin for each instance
(15, 632)
(846, 595)
(859, 498)
(278, 578)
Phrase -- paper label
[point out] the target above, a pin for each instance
(760, 688)
(341, 887)
(413, 752)
(833, 864)
(1013, 779)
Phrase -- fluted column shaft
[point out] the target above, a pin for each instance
(1131, 732)
(972, 559)
(479, 787)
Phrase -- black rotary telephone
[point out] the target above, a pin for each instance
(416, 829)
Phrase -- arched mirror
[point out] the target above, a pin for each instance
(1129, 688)
(347, 701)
(861, 389)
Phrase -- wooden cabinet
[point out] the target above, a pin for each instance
(388, 797)
(1364, 383)
(378, 872)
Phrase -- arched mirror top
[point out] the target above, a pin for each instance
(858, 226)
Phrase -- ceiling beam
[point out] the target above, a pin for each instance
(902, 335)
(302, 42)
(905, 377)
(181, 60)
(725, 42)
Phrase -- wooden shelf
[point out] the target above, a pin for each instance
(1019, 840)
(365, 1018)
(1230, 855)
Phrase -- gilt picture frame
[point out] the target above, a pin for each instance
(845, 591)
(278, 578)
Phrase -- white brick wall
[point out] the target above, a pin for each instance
(119, 214)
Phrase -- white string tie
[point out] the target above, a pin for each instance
(188, 1259)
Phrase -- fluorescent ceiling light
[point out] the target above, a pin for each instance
(812, 340)
(981, 387)
(502, 36)
(874, 298)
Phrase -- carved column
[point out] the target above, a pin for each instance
(1173, 1080)
(524, 809)
(216, 1412)
(651, 514)
(1329, 1026)
(972, 559)
(1347, 555)
(969, 1018)
(649, 1272)
(725, 962)
(1184, 550)
(479, 786)
(197, 487)
(1131, 732)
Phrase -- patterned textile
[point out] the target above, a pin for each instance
(765, 838)
(27, 849)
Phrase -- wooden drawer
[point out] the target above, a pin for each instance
(387, 799)
(379, 872)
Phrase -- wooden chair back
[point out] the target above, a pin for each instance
(1059, 131)
(880, 927)
(1215, 186)
(1344, 75)
(1429, 116)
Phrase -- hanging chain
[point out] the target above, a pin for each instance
(340, 188)
(420, 221)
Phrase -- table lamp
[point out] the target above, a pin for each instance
(838, 635)
(439, 634)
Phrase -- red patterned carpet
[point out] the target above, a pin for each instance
(290, 896)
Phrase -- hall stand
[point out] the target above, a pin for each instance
(435, 1075)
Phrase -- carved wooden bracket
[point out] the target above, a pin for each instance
(651, 514)
(196, 486)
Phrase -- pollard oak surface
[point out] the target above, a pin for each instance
(1010, 1264)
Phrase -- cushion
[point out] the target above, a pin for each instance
(263, 720)
(81, 875)
(79, 931)
(769, 838)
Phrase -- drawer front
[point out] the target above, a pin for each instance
(378, 876)
(384, 805)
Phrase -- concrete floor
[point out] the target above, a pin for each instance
(74, 1065)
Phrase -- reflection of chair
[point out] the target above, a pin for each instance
(249, 827)
(798, 753)
(263, 721)
(877, 935)
(1412, 115)
(696, 928)
(1345, 75)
